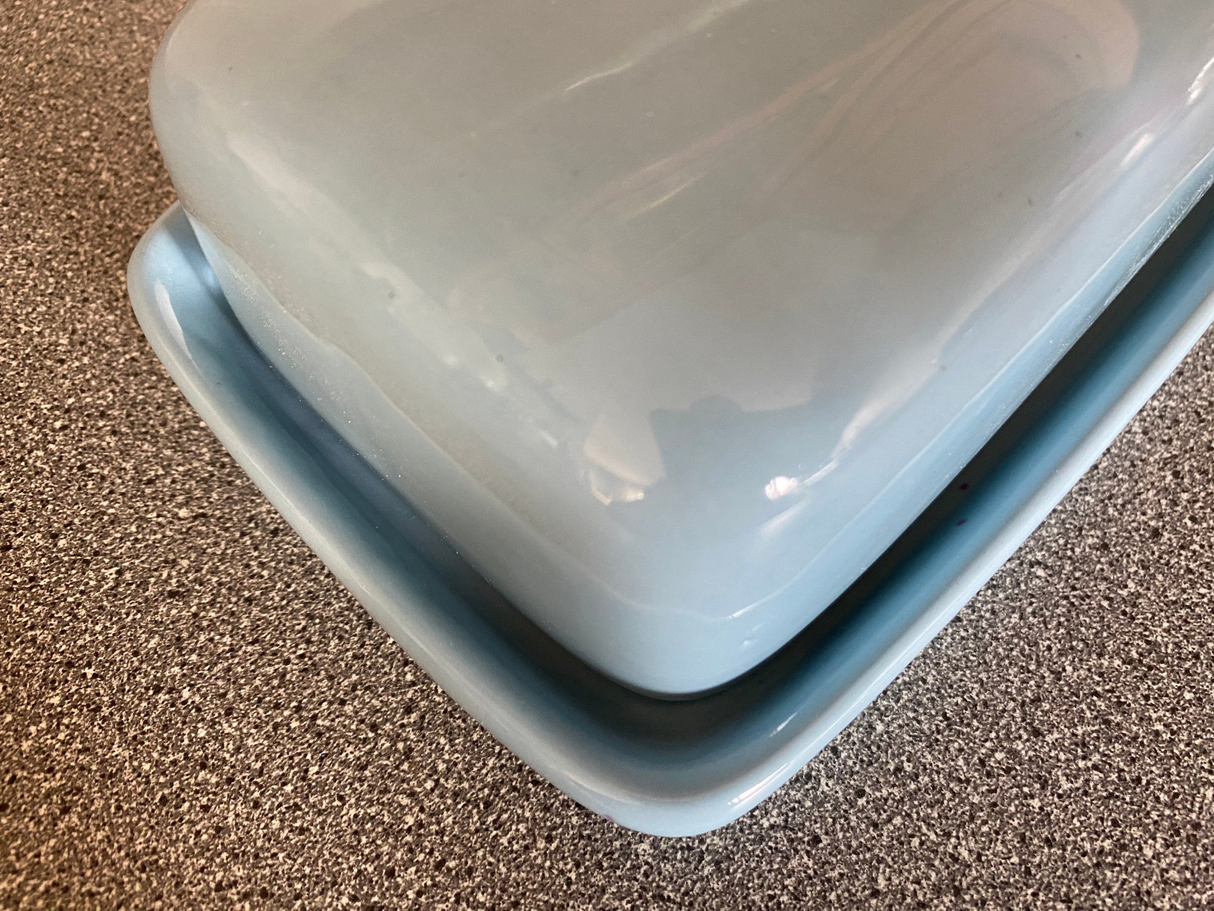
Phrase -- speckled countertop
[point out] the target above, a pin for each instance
(193, 713)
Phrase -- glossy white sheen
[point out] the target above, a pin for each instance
(673, 315)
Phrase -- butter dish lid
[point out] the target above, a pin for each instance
(672, 316)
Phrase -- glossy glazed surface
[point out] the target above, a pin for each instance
(672, 316)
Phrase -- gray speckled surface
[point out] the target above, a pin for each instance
(193, 713)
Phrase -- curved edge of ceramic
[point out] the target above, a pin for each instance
(665, 768)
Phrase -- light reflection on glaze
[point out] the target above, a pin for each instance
(594, 283)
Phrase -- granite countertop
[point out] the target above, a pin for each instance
(194, 713)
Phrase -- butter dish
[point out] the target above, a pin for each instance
(664, 375)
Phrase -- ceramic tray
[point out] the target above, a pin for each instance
(661, 766)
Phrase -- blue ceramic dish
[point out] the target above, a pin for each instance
(625, 360)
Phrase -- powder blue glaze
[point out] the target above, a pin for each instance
(673, 315)
(663, 767)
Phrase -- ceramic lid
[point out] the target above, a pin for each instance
(673, 315)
